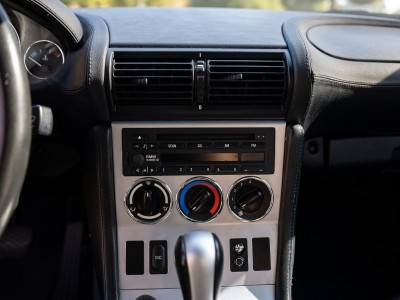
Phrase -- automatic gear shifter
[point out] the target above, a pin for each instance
(199, 260)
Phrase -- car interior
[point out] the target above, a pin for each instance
(198, 153)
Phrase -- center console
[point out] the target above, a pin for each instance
(172, 178)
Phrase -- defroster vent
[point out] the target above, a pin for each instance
(253, 81)
(152, 81)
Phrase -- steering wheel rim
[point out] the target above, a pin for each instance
(15, 121)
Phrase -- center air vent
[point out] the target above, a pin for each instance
(152, 81)
(261, 82)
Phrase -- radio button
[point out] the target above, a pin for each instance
(139, 137)
(254, 169)
(199, 145)
(227, 145)
(172, 145)
(140, 171)
(226, 169)
(152, 170)
(199, 170)
(140, 146)
(255, 156)
(152, 146)
(136, 146)
(172, 170)
(254, 145)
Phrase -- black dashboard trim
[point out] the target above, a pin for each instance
(290, 189)
(301, 91)
(96, 61)
(98, 182)
(355, 42)
(324, 84)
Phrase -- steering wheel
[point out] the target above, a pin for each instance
(15, 121)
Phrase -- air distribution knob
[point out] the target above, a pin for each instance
(148, 201)
(200, 199)
(250, 199)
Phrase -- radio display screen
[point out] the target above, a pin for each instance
(209, 157)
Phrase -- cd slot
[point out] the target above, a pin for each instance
(205, 137)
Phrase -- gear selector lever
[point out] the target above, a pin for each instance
(199, 261)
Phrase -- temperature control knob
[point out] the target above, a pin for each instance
(200, 199)
(250, 199)
(148, 201)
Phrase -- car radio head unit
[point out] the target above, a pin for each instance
(204, 151)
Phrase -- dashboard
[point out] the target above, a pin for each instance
(196, 119)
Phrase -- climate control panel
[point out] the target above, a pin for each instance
(200, 199)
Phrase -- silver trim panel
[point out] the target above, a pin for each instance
(225, 225)
(255, 292)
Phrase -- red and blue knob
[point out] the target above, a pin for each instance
(200, 199)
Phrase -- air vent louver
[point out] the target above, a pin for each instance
(261, 82)
(152, 81)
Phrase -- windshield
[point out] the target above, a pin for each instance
(381, 6)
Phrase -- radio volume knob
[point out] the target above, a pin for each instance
(138, 159)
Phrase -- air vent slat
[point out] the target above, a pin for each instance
(153, 81)
(122, 62)
(153, 93)
(244, 73)
(247, 82)
(145, 76)
(253, 88)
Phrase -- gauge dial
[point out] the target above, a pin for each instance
(43, 59)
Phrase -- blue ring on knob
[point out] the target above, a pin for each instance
(182, 203)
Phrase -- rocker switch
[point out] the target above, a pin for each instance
(158, 257)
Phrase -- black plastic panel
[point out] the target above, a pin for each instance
(228, 151)
(261, 254)
(134, 258)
